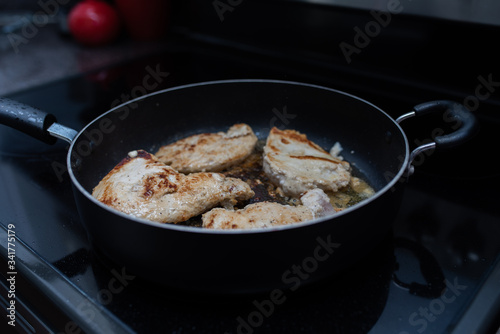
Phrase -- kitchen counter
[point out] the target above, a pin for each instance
(49, 55)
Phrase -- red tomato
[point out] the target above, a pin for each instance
(94, 22)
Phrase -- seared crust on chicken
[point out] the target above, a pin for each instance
(296, 164)
(268, 214)
(209, 152)
(144, 187)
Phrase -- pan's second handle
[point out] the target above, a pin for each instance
(27, 119)
(464, 121)
(465, 126)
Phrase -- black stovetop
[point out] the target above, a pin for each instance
(436, 272)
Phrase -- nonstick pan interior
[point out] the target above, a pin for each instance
(251, 260)
(371, 140)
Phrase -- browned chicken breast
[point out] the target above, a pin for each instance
(268, 214)
(144, 187)
(209, 152)
(296, 164)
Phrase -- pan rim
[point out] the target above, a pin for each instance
(191, 229)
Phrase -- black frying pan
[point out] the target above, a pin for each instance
(251, 260)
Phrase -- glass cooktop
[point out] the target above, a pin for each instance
(436, 272)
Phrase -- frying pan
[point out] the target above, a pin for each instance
(232, 261)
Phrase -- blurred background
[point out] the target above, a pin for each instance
(439, 43)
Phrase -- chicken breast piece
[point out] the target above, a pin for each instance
(268, 214)
(144, 187)
(318, 202)
(209, 152)
(296, 164)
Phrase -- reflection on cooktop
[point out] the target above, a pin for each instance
(332, 305)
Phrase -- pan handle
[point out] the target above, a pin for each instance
(465, 126)
(33, 122)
